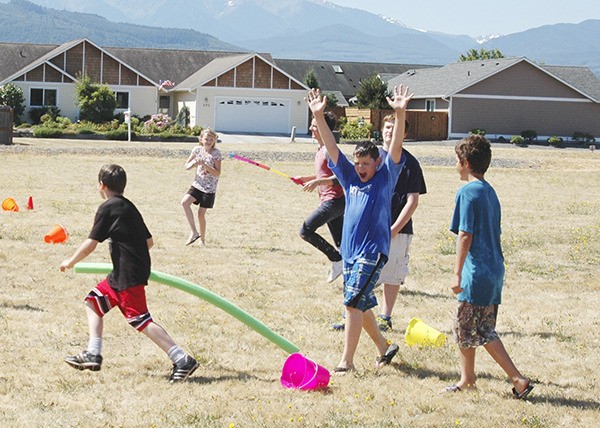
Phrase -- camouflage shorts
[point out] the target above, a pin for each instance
(475, 325)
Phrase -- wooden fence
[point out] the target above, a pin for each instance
(6, 125)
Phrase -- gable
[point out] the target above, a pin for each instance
(66, 63)
(525, 80)
(257, 73)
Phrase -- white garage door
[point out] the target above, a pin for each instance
(252, 114)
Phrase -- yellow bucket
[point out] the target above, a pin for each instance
(420, 334)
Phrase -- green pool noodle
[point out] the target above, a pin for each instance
(203, 293)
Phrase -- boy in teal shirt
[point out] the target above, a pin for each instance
(479, 272)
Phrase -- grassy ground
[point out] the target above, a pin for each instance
(254, 258)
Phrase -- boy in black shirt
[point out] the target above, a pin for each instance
(118, 220)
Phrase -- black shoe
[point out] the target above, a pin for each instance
(85, 361)
(182, 372)
(383, 324)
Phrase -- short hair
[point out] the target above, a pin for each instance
(113, 177)
(475, 149)
(392, 118)
(366, 148)
(330, 119)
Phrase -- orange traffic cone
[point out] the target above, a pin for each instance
(30, 203)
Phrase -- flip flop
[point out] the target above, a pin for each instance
(192, 240)
(452, 388)
(523, 394)
(386, 359)
(338, 371)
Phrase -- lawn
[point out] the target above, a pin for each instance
(255, 259)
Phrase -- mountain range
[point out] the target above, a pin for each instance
(293, 29)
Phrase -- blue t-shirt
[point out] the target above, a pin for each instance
(477, 211)
(367, 217)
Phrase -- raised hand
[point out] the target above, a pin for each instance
(316, 102)
(399, 100)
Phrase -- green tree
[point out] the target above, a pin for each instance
(310, 79)
(11, 95)
(96, 102)
(475, 55)
(372, 93)
(332, 100)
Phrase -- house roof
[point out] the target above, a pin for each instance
(342, 76)
(443, 82)
(21, 55)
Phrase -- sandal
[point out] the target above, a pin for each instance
(192, 240)
(339, 371)
(523, 394)
(386, 359)
(452, 388)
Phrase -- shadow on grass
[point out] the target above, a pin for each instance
(566, 402)
(413, 293)
(25, 307)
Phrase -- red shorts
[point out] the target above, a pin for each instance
(131, 302)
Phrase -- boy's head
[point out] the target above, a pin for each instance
(113, 177)
(388, 128)
(330, 119)
(474, 153)
(366, 160)
(208, 138)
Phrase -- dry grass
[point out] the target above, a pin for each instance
(254, 258)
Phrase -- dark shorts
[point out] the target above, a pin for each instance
(131, 302)
(475, 325)
(205, 200)
(360, 278)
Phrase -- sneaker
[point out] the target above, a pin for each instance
(383, 324)
(336, 270)
(85, 360)
(182, 372)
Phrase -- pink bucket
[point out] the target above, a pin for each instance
(302, 373)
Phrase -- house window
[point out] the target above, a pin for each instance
(122, 100)
(430, 105)
(164, 102)
(42, 97)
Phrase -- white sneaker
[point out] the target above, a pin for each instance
(336, 270)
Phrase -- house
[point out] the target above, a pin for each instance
(227, 91)
(507, 96)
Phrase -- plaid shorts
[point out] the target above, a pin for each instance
(360, 278)
(475, 325)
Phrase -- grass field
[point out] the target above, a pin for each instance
(255, 259)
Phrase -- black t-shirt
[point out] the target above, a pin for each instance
(118, 220)
(410, 181)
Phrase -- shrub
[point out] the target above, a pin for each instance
(477, 131)
(118, 134)
(583, 137)
(529, 135)
(157, 123)
(356, 131)
(517, 139)
(555, 141)
(36, 113)
(11, 95)
(86, 131)
(45, 132)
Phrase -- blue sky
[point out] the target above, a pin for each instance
(480, 17)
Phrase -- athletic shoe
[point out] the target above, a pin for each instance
(383, 324)
(182, 372)
(336, 270)
(339, 325)
(85, 361)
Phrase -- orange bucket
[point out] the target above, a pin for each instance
(57, 234)
(9, 204)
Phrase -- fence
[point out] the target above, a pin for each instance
(6, 125)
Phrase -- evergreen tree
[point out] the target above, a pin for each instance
(372, 93)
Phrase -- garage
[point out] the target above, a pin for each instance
(252, 114)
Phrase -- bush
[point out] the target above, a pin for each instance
(11, 95)
(86, 131)
(356, 131)
(36, 113)
(157, 123)
(517, 139)
(555, 141)
(118, 134)
(477, 131)
(583, 137)
(45, 132)
(529, 135)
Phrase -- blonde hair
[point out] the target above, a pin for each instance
(208, 131)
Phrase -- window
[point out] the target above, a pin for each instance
(430, 105)
(337, 69)
(122, 100)
(42, 97)
(164, 101)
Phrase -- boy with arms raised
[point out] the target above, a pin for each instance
(479, 270)
(368, 187)
(118, 220)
